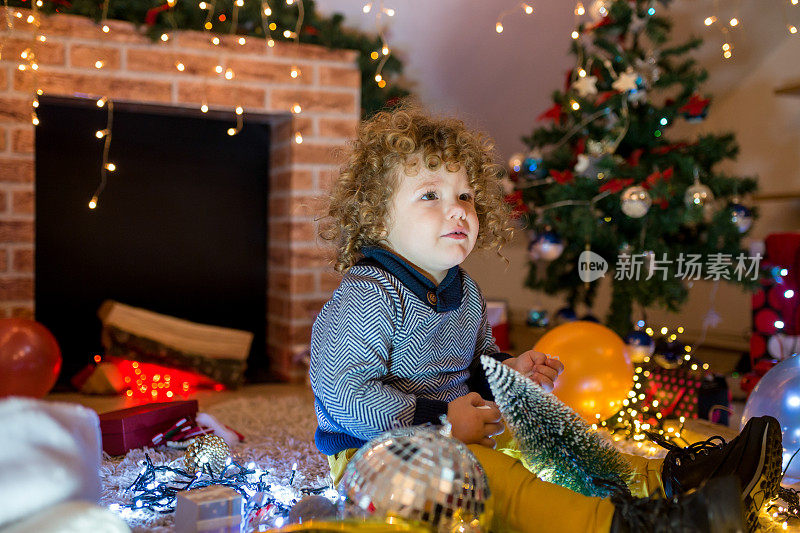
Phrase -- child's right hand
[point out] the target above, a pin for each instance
(472, 422)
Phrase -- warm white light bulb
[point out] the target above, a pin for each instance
(231, 131)
(575, 105)
(215, 41)
(180, 66)
(42, 38)
(378, 77)
(239, 3)
(35, 103)
(709, 21)
(106, 29)
(30, 19)
(528, 9)
(579, 9)
(298, 138)
(35, 66)
(202, 5)
(385, 50)
(296, 108)
(366, 8)
(218, 69)
(287, 33)
(267, 11)
(389, 12)
(295, 72)
(111, 167)
(204, 108)
(575, 34)
(792, 29)
(242, 41)
(239, 110)
(98, 64)
(582, 73)
(498, 28)
(229, 74)
(93, 202)
(100, 134)
(734, 21)
(101, 102)
(35, 120)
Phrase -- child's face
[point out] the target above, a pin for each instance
(432, 220)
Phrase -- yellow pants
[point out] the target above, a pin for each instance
(522, 502)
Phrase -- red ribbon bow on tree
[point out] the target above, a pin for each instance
(562, 177)
(616, 185)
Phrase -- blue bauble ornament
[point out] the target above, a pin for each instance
(670, 352)
(640, 345)
(537, 318)
(566, 314)
(547, 246)
(741, 216)
(778, 394)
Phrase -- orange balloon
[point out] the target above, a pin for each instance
(598, 373)
(30, 358)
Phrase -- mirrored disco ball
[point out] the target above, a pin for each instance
(419, 475)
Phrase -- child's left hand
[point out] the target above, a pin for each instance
(537, 366)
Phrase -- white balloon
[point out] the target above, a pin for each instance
(778, 394)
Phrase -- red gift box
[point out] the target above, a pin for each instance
(134, 427)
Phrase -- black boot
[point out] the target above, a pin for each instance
(713, 508)
(753, 457)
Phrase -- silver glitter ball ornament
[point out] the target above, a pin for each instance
(419, 475)
(698, 195)
(635, 201)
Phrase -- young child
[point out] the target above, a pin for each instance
(399, 342)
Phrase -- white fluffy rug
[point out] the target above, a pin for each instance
(278, 431)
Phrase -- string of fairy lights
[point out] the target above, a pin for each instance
(715, 20)
(381, 55)
(28, 62)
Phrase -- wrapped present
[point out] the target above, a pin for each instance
(685, 392)
(135, 427)
(497, 315)
(213, 509)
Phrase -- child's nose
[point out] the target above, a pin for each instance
(457, 211)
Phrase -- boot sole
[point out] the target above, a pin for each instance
(765, 483)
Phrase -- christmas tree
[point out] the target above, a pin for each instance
(604, 175)
(554, 441)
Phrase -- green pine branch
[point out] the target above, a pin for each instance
(317, 29)
(554, 441)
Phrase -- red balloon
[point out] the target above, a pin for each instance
(30, 358)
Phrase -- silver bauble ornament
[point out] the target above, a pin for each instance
(698, 195)
(635, 201)
(421, 475)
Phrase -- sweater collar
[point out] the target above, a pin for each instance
(444, 297)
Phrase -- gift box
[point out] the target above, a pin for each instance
(213, 509)
(497, 315)
(135, 427)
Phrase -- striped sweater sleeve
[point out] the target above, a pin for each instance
(350, 356)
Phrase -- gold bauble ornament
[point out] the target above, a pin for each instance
(207, 451)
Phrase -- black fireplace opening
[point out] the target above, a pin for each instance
(180, 228)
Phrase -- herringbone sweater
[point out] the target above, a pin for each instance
(391, 349)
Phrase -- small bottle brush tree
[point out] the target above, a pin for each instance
(603, 175)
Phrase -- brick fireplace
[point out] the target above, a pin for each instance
(138, 70)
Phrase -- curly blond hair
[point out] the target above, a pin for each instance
(359, 199)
